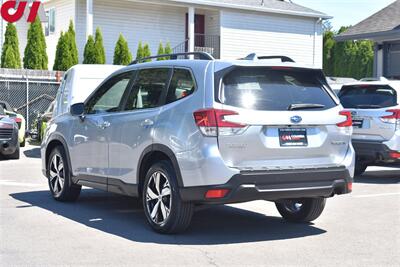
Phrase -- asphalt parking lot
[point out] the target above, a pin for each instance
(360, 229)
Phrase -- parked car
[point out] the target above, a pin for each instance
(78, 83)
(19, 119)
(42, 120)
(178, 133)
(336, 83)
(374, 104)
(9, 145)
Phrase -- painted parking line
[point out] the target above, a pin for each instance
(13, 183)
(377, 195)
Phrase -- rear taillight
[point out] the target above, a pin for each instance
(393, 118)
(211, 122)
(348, 122)
(394, 155)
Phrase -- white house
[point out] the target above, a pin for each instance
(227, 28)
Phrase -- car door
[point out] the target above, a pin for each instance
(133, 129)
(91, 134)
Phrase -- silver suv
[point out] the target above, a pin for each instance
(180, 133)
(374, 105)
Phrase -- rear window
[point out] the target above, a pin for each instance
(368, 96)
(274, 89)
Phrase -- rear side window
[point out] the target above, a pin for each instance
(274, 89)
(368, 96)
(148, 89)
(182, 85)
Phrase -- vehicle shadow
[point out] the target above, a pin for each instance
(124, 217)
(379, 177)
(33, 153)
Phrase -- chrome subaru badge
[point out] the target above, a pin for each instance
(296, 119)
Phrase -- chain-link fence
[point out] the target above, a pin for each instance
(29, 92)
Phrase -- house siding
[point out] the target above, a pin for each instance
(243, 33)
(148, 23)
(64, 12)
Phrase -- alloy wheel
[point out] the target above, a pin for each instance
(293, 205)
(57, 174)
(158, 197)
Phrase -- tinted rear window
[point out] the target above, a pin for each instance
(368, 96)
(273, 89)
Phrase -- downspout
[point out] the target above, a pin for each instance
(315, 38)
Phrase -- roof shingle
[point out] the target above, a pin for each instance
(386, 19)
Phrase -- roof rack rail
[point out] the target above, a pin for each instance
(174, 56)
(254, 56)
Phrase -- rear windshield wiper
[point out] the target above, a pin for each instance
(368, 106)
(304, 106)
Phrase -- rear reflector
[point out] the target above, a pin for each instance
(216, 193)
(350, 187)
(348, 122)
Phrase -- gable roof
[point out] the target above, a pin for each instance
(384, 21)
(272, 6)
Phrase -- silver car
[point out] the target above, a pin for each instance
(375, 107)
(184, 132)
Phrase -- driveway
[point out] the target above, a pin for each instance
(360, 229)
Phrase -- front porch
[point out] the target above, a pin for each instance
(191, 29)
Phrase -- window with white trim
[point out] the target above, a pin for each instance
(50, 27)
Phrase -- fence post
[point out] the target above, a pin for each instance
(27, 103)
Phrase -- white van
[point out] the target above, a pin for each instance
(78, 83)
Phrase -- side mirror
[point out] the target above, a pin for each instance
(77, 109)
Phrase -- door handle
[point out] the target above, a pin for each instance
(104, 125)
(147, 122)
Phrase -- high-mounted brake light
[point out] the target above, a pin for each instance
(348, 122)
(211, 122)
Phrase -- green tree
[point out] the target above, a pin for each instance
(89, 54)
(147, 52)
(10, 57)
(349, 58)
(100, 51)
(139, 51)
(329, 44)
(160, 51)
(35, 56)
(64, 58)
(72, 43)
(122, 54)
(168, 49)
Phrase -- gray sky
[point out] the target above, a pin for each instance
(346, 12)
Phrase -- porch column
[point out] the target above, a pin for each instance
(191, 13)
(89, 18)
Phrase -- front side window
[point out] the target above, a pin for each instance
(148, 89)
(109, 96)
(182, 85)
(274, 89)
(368, 96)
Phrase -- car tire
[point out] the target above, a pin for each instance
(164, 209)
(301, 210)
(360, 168)
(59, 177)
(15, 155)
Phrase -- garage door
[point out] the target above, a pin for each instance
(393, 59)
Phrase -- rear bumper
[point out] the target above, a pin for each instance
(373, 152)
(275, 185)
